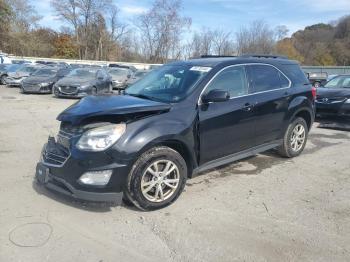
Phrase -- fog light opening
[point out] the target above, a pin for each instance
(96, 178)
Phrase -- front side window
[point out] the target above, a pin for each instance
(170, 83)
(265, 78)
(232, 79)
(339, 82)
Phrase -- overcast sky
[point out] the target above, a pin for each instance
(230, 14)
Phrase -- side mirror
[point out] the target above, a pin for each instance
(128, 76)
(216, 95)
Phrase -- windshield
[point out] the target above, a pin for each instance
(339, 82)
(45, 72)
(83, 72)
(13, 68)
(169, 83)
(119, 72)
(27, 69)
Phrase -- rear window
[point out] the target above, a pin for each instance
(266, 78)
(295, 74)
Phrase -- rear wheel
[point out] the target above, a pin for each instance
(295, 138)
(157, 179)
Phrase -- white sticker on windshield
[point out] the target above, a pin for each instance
(201, 68)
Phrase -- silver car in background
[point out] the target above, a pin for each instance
(16, 77)
(120, 77)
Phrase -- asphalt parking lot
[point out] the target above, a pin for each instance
(264, 208)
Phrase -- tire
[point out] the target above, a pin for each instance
(110, 89)
(159, 190)
(294, 144)
(2, 80)
(93, 91)
(21, 90)
(55, 92)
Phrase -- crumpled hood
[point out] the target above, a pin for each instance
(73, 81)
(323, 92)
(39, 79)
(92, 106)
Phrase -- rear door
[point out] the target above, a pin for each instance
(227, 127)
(271, 92)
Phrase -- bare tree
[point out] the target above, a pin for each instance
(222, 42)
(281, 32)
(256, 38)
(161, 29)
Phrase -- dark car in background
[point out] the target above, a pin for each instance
(42, 80)
(22, 72)
(139, 74)
(120, 76)
(81, 82)
(333, 99)
(181, 119)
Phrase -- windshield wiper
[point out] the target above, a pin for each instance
(143, 96)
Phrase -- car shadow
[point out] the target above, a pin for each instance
(91, 206)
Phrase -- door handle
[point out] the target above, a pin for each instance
(248, 107)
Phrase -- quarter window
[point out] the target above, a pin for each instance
(232, 79)
(266, 78)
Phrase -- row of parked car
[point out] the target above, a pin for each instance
(63, 80)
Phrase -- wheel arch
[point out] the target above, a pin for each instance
(179, 146)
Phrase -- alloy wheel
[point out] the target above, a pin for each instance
(298, 138)
(160, 181)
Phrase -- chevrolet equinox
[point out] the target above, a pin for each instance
(180, 119)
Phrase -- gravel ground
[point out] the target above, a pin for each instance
(264, 208)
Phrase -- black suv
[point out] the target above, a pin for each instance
(183, 118)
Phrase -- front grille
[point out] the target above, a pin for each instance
(66, 133)
(31, 87)
(68, 89)
(54, 154)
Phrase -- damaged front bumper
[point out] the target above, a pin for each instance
(59, 170)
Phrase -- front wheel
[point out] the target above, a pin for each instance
(157, 179)
(295, 138)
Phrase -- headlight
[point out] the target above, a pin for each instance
(45, 84)
(348, 101)
(101, 138)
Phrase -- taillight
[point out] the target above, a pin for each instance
(314, 92)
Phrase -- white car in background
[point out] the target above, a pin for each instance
(4, 59)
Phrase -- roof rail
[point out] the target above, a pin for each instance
(263, 56)
(216, 56)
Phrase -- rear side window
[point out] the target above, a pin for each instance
(294, 72)
(266, 78)
(232, 79)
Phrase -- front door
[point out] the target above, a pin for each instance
(227, 127)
